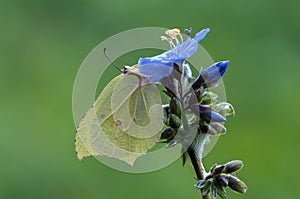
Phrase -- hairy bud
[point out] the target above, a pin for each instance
(221, 180)
(233, 166)
(237, 185)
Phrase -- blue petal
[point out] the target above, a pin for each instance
(155, 69)
(186, 49)
(201, 35)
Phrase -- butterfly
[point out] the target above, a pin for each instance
(125, 120)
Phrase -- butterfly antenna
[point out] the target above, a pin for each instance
(109, 59)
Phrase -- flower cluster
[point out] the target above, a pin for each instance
(220, 177)
(192, 103)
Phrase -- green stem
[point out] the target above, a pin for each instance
(198, 167)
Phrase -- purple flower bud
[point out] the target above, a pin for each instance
(218, 169)
(233, 166)
(221, 180)
(237, 185)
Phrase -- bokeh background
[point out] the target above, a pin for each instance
(42, 44)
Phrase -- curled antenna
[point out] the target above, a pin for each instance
(109, 59)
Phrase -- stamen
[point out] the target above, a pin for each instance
(177, 41)
(173, 33)
(172, 44)
(169, 40)
(164, 38)
(169, 33)
(109, 59)
(181, 38)
(176, 31)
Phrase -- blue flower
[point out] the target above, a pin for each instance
(160, 66)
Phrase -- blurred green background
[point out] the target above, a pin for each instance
(42, 44)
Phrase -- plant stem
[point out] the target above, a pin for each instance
(198, 167)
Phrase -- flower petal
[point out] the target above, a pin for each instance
(155, 69)
(201, 35)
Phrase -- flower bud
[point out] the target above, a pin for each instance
(208, 98)
(211, 131)
(215, 117)
(211, 75)
(209, 176)
(237, 185)
(174, 121)
(218, 127)
(224, 108)
(214, 73)
(207, 114)
(218, 170)
(221, 180)
(233, 166)
(167, 133)
(175, 107)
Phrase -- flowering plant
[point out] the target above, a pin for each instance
(134, 119)
(210, 111)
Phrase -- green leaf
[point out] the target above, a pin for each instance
(124, 122)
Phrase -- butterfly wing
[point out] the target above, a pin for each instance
(123, 123)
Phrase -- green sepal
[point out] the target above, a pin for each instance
(200, 184)
(174, 121)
